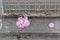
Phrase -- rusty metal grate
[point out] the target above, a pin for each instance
(28, 5)
(31, 6)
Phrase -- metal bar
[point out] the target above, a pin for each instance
(17, 5)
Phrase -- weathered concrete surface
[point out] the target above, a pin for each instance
(1, 24)
(42, 39)
(8, 38)
(38, 25)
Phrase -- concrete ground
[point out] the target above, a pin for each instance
(14, 38)
(8, 38)
(38, 25)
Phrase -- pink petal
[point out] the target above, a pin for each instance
(51, 25)
(26, 23)
(19, 25)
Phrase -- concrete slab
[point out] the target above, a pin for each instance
(8, 38)
(48, 38)
(38, 25)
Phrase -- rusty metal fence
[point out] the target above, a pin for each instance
(34, 6)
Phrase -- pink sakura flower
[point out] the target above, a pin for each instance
(19, 23)
(26, 22)
(23, 22)
(51, 25)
